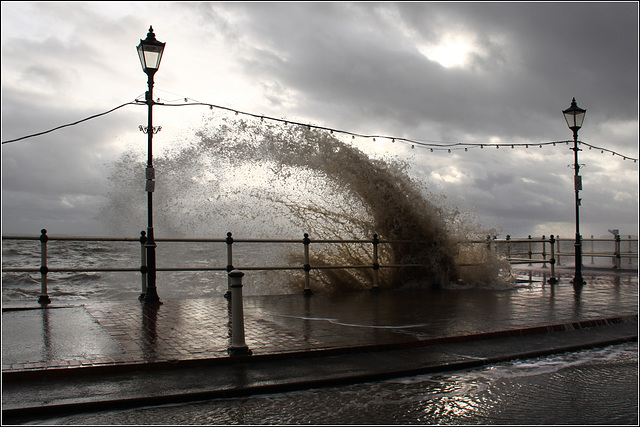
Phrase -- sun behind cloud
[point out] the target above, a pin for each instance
(450, 51)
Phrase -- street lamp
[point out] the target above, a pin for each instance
(574, 116)
(150, 52)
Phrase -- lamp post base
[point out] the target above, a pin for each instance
(578, 282)
(239, 351)
(151, 299)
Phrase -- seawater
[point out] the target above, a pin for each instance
(260, 180)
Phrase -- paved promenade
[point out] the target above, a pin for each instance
(88, 339)
(69, 336)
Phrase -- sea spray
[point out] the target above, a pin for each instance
(264, 180)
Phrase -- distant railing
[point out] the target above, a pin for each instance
(541, 251)
(548, 250)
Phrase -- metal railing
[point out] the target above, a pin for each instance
(537, 251)
(306, 267)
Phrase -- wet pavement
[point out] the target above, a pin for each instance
(92, 355)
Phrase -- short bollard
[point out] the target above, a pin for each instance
(238, 345)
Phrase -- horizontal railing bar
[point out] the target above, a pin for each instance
(201, 240)
(70, 270)
(254, 268)
(528, 261)
(351, 241)
(77, 238)
(600, 255)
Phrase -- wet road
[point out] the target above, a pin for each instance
(598, 386)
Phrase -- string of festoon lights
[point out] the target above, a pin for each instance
(431, 145)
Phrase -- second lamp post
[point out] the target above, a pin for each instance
(150, 52)
(574, 116)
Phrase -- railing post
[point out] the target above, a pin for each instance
(617, 252)
(376, 265)
(508, 247)
(592, 250)
(44, 295)
(629, 258)
(530, 253)
(544, 251)
(143, 265)
(558, 249)
(229, 264)
(307, 267)
(552, 280)
(238, 346)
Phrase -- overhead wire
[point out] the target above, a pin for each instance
(69, 124)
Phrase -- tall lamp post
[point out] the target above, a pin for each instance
(150, 52)
(574, 116)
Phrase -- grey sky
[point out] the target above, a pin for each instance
(463, 72)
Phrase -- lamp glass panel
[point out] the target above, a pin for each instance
(569, 117)
(152, 59)
(150, 56)
(141, 55)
